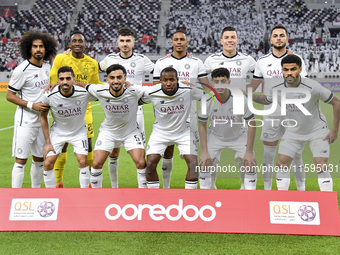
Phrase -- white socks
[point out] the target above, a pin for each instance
(250, 179)
(141, 178)
(49, 179)
(153, 185)
(283, 178)
(84, 177)
(325, 181)
(17, 175)
(113, 171)
(167, 164)
(191, 184)
(299, 172)
(268, 166)
(37, 172)
(242, 174)
(205, 180)
(96, 178)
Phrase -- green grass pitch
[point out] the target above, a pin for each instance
(156, 243)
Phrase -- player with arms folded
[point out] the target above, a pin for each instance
(68, 106)
(311, 128)
(172, 103)
(225, 130)
(29, 80)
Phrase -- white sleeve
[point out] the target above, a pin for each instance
(304, 70)
(17, 81)
(146, 99)
(322, 93)
(252, 64)
(257, 73)
(45, 99)
(157, 72)
(196, 94)
(148, 65)
(103, 65)
(207, 65)
(201, 70)
(91, 89)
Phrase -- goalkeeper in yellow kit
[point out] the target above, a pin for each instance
(86, 71)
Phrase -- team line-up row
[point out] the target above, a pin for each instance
(77, 80)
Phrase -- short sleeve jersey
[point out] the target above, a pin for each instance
(238, 66)
(85, 69)
(171, 112)
(136, 66)
(306, 124)
(223, 123)
(68, 112)
(121, 111)
(29, 81)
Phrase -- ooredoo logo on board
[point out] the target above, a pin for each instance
(159, 212)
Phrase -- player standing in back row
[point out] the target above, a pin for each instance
(136, 66)
(238, 64)
(29, 80)
(267, 68)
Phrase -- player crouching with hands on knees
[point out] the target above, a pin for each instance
(225, 131)
(68, 107)
(308, 122)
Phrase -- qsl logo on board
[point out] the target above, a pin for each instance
(24, 209)
(302, 213)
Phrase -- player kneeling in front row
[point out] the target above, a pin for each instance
(307, 124)
(68, 106)
(225, 131)
(119, 127)
(172, 102)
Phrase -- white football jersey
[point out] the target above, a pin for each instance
(188, 68)
(223, 123)
(238, 66)
(29, 81)
(68, 112)
(120, 112)
(269, 66)
(171, 112)
(136, 66)
(306, 124)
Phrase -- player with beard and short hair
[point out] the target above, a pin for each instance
(311, 128)
(86, 71)
(189, 69)
(268, 69)
(119, 127)
(29, 80)
(238, 64)
(68, 106)
(136, 66)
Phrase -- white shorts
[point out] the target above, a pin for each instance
(79, 142)
(140, 122)
(26, 140)
(216, 145)
(272, 130)
(292, 144)
(194, 130)
(158, 142)
(106, 141)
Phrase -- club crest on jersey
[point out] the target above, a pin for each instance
(180, 99)
(133, 64)
(125, 100)
(238, 62)
(78, 102)
(187, 66)
(47, 73)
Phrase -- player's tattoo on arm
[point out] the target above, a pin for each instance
(260, 99)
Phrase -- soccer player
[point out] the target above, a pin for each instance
(136, 66)
(267, 68)
(310, 128)
(172, 102)
(238, 64)
(29, 80)
(86, 71)
(68, 106)
(119, 127)
(225, 130)
(188, 69)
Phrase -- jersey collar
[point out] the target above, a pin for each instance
(281, 56)
(173, 93)
(116, 96)
(231, 56)
(64, 95)
(285, 83)
(34, 64)
(179, 58)
(127, 57)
